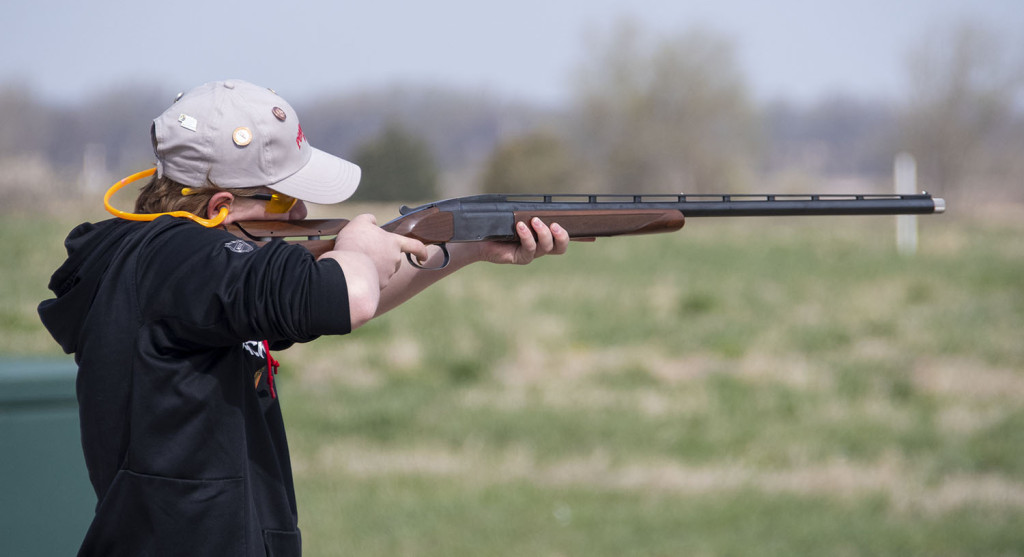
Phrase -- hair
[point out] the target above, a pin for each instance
(162, 195)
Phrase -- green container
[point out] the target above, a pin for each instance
(47, 502)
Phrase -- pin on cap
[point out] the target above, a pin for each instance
(241, 136)
(188, 122)
(279, 113)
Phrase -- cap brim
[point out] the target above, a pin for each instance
(325, 179)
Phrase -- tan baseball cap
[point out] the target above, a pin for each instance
(235, 135)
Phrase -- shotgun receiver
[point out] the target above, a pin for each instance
(493, 217)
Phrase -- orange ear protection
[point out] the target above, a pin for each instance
(222, 211)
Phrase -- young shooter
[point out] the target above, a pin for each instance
(172, 321)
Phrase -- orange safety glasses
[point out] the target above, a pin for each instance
(276, 202)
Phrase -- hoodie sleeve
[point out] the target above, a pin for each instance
(212, 289)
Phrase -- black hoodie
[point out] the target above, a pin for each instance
(171, 325)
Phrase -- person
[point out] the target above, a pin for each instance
(173, 321)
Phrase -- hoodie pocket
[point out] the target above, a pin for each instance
(282, 544)
(153, 515)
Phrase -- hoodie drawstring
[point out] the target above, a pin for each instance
(272, 366)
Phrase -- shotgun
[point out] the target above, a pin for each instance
(479, 218)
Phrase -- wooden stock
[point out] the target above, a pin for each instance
(271, 229)
(307, 233)
(430, 226)
(599, 223)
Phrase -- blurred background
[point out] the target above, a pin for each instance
(744, 387)
(462, 97)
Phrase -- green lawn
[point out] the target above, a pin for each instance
(743, 387)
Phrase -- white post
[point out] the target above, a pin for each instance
(905, 178)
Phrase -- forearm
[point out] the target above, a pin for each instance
(410, 281)
(535, 240)
(362, 282)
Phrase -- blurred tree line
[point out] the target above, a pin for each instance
(648, 114)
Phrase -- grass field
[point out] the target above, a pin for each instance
(743, 387)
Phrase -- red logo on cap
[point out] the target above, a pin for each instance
(300, 138)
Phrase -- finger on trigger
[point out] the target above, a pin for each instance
(415, 248)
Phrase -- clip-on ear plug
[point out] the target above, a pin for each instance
(209, 223)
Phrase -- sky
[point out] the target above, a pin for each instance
(798, 50)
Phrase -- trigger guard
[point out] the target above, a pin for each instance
(444, 263)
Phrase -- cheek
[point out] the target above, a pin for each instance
(245, 209)
(298, 212)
